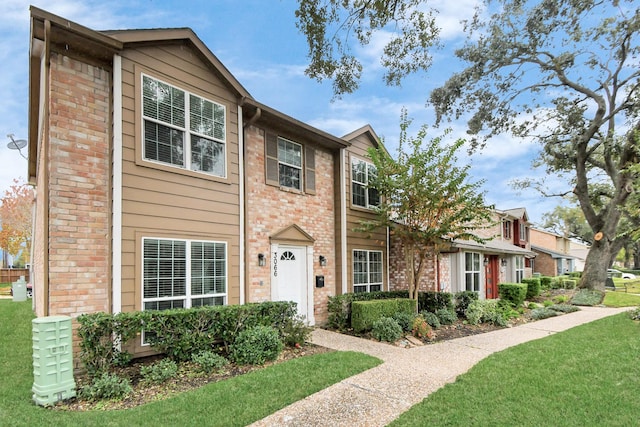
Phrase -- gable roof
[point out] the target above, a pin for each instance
(49, 30)
(368, 132)
(518, 213)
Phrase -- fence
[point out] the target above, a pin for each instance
(10, 275)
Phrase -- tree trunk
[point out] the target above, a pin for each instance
(596, 265)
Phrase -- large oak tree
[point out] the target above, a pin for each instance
(565, 73)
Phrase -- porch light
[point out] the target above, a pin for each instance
(486, 261)
(262, 261)
(503, 261)
(323, 261)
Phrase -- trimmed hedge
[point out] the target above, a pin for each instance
(178, 333)
(514, 293)
(339, 306)
(533, 287)
(433, 301)
(365, 313)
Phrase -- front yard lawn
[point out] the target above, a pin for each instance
(234, 402)
(586, 376)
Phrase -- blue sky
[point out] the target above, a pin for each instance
(258, 42)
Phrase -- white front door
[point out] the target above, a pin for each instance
(292, 276)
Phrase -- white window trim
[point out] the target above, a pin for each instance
(300, 168)
(519, 268)
(187, 131)
(479, 271)
(188, 297)
(364, 184)
(369, 282)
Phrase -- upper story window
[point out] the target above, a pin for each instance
(290, 164)
(363, 173)
(506, 229)
(182, 129)
(523, 231)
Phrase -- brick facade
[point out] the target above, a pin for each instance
(398, 272)
(271, 209)
(79, 183)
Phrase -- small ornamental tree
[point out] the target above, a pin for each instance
(16, 207)
(426, 199)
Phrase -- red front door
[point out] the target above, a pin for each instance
(492, 274)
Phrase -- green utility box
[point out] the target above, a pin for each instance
(19, 289)
(52, 360)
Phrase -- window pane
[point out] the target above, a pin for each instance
(358, 171)
(207, 118)
(207, 156)
(290, 177)
(163, 102)
(358, 194)
(163, 144)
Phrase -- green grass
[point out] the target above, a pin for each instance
(621, 299)
(235, 402)
(586, 376)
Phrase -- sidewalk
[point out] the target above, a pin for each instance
(378, 396)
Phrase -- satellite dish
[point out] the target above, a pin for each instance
(17, 144)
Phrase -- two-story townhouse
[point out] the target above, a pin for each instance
(161, 183)
(504, 257)
(553, 253)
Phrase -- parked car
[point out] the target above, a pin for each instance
(612, 272)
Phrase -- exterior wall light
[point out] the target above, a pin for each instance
(503, 261)
(486, 261)
(323, 261)
(262, 261)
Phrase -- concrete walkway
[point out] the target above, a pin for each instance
(378, 396)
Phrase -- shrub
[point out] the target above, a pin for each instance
(386, 329)
(421, 329)
(543, 313)
(462, 301)
(588, 297)
(433, 301)
(560, 299)
(446, 316)
(533, 305)
(485, 311)
(106, 386)
(365, 313)
(569, 283)
(635, 314)
(296, 332)
(256, 345)
(548, 303)
(564, 308)
(533, 287)
(431, 319)
(209, 361)
(575, 274)
(545, 282)
(515, 293)
(404, 319)
(159, 372)
(339, 306)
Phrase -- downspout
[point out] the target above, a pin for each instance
(44, 90)
(343, 222)
(243, 180)
(241, 183)
(116, 234)
(388, 256)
